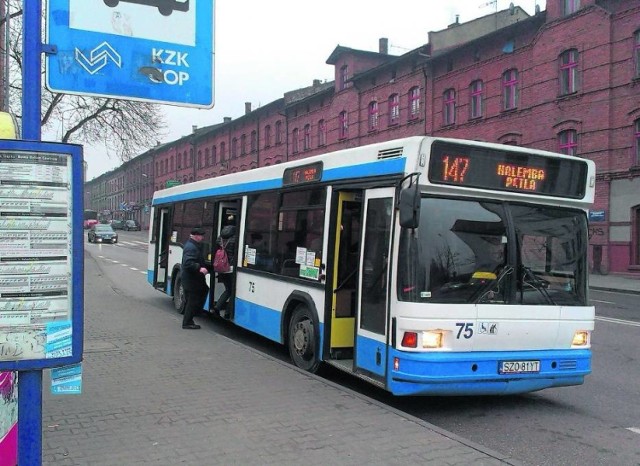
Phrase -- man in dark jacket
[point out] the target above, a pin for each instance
(194, 271)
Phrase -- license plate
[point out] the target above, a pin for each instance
(519, 367)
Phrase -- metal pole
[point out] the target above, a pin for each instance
(30, 382)
(7, 62)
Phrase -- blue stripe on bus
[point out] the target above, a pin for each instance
(377, 168)
(476, 373)
(150, 276)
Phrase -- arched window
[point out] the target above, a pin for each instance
(171, 163)
(373, 115)
(322, 133)
(234, 148)
(200, 161)
(569, 72)
(636, 53)
(254, 141)
(267, 136)
(207, 159)
(243, 144)
(343, 125)
(223, 149)
(185, 160)
(394, 109)
(568, 142)
(278, 132)
(637, 141)
(294, 140)
(414, 103)
(344, 77)
(214, 155)
(449, 107)
(510, 89)
(475, 99)
(307, 137)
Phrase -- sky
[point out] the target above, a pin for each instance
(266, 48)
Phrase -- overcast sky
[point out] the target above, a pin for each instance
(266, 48)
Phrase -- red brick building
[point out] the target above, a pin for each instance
(566, 79)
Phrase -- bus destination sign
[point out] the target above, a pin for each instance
(303, 174)
(457, 164)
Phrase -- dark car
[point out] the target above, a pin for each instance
(102, 233)
(117, 224)
(131, 225)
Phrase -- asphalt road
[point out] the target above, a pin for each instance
(597, 423)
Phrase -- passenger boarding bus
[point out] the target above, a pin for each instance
(426, 266)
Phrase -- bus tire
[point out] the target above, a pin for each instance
(302, 339)
(178, 296)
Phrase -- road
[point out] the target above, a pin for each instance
(597, 423)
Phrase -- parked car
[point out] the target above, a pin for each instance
(117, 224)
(131, 225)
(102, 233)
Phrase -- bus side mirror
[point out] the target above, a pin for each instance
(409, 205)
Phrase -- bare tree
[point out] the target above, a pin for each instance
(125, 128)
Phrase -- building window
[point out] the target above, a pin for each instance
(414, 103)
(171, 163)
(373, 116)
(223, 148)
(234, 148)
(344, 77)
(207, 157)
(637, 141)
(343, 123)
(394, 109)
(636, 53)
(449, 107)
(243, 144)
(254, 140)
(568, 142)
(267, 136)
(322, 133)
(294, 140)
(569, 72)
(214, 155)
(200, 161)
(278, 132)
(475, 96)
(185, 159)
(571, 6)
(307, 137)
(510, 89)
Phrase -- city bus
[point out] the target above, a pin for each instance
(425, 266)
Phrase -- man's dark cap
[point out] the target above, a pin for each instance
(197, 231)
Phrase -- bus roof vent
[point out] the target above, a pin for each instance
(388, 153)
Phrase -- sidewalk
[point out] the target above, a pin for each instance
(155, 394)
(614, 283)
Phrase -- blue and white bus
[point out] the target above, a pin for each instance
(426, 266)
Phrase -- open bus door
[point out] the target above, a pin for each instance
(228, 213)
(345, 275)
(162, 233)
(373, 293)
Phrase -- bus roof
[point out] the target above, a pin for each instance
(391, 158)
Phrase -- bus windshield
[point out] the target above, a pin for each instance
(470, 251)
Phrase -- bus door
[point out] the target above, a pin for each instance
(227, 214)
(345, 275)
(162, 233)
(372, 317)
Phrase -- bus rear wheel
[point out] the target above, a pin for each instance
(302, 340)
(178, 296)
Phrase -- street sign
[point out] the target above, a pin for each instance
(158, 51)
(172, 183)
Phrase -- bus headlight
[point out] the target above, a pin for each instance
(580, 338)
(432, 339)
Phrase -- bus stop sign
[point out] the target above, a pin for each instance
(158, 51)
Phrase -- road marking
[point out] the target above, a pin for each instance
(635, 430)
(605, 302)
(619, 321)
(142, 271)
(114, 261)
(133, 268)
(125, 265)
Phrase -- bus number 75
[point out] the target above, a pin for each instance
(465, 329)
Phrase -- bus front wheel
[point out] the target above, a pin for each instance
(302, 340)
(178, 296)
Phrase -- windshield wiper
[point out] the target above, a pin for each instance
(536, 283)
(489, 287)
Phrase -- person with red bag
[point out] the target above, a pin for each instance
(227, 242)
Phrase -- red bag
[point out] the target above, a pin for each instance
(221, 260)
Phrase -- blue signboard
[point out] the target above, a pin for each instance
(42, 255)
(158, 51)
(596, 216)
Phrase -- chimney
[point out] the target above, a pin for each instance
(226, 119)
(194, 128)
(247, 108)
(383, 45)
(316, 82)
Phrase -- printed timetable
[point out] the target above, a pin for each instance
(35, 254)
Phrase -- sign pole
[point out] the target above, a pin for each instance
(30, 381)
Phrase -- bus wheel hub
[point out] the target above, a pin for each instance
(302, 337)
